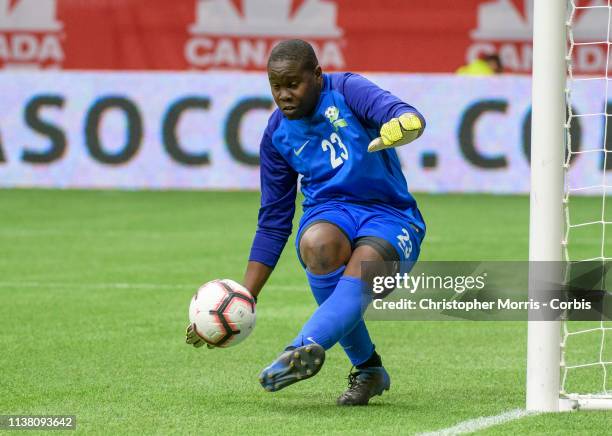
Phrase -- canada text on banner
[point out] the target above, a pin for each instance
(358, 35)
(202, 131)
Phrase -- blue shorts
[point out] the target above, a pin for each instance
(402, 229)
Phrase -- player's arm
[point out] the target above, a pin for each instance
(278, 191)
(396, 122)
(256, 276)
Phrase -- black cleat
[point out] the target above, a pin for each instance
(292, 366)
(363, 384)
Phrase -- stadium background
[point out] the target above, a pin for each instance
(152, 95)
(165, 96)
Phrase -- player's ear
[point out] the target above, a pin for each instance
(318, 72)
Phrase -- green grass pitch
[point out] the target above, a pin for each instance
(94, 290)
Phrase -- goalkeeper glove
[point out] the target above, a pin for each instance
(398, 131)
(192, 337)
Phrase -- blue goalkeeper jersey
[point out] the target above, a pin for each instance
(329, 150)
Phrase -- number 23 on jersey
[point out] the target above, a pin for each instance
(330, 145)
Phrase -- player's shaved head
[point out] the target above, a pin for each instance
(295, 50)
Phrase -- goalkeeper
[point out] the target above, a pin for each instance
(338, 132)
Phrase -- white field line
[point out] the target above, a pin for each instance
(481, 423)
(118, 285)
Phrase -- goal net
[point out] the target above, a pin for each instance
(586, 347)
(569, 363)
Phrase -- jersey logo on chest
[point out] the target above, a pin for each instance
(332, 113)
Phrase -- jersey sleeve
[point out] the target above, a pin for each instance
(278, 193)
(372, 105)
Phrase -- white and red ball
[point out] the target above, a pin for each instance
(223, 312)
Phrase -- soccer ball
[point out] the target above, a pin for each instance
(223, 312)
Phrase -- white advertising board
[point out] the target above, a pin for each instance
(202, 131)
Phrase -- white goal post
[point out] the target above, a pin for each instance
(549, 219)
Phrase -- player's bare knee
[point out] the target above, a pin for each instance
(324, 248)
(323, 263)
(323, 256)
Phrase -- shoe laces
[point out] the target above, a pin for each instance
(353, 378)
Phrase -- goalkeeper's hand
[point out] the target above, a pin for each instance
(398, 131)
(192, 337)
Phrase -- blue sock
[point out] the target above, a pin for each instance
(339, 317)
(323, 285)
(357, 344)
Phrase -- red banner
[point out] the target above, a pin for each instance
(359, 35)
